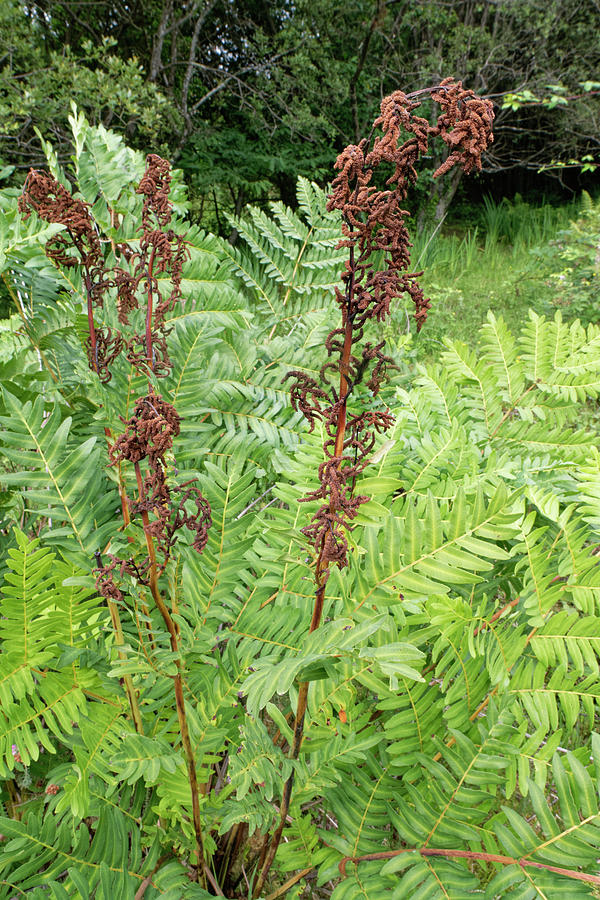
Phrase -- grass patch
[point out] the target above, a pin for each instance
(491, 264)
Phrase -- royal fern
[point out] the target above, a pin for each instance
(454, 683)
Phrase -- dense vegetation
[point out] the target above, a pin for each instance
(299, 584)
(247, 95)
(449, 727)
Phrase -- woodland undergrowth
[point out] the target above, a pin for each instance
(283, 611)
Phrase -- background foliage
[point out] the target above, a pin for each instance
(251, 94)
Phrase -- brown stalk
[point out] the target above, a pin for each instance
(148, 879)
(320, 571)
(14, 799)
(290, 883)
(149, 433)
(233, 833)
(90, 315)
(178, 685)
(499, 612)
(523, 863)
(149, 310)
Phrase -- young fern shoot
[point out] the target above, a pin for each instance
(373, 226)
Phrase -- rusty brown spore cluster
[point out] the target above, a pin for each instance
(149, 432)
(148, 435)
(374, 226)
(53, 203)
(373, 219)
(161, 252)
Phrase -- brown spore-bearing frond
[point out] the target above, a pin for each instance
(379, 372)
(105, 584)
(154, 270)
(53, 203)
(105, 575)
(162, 252)
(373, 219)
(306, 396)
(148, 435)
(197, 522)
(155, 186)
(465, 125)
(328, 525)
(160, 363)
(374, 222)
(127, 300)
(103, 351)
(149, 432)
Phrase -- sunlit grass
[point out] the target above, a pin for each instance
(490, 264)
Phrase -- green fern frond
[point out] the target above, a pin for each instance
(290, 259)
(57, 476)
(39, 851)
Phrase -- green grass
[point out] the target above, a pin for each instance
(491, 264)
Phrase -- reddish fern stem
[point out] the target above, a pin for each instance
(149, 310)
(91, 325)
(473, 854)
(321, 581)
(178, 685)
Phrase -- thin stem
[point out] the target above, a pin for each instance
(90, 315)
(474, 715)
(148, 879)
(15, 799)
(213, 882)
(290, 883)
(513, 409)
(321, 581)
(126, 522)
(227, 852)
(292, 279)
(149, 310)
(127, 679)
(474, 854)
(510, 605)
(178, 684)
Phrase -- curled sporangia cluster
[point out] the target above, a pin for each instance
(78, 245)
(151, 281)
(373, 217)
(374, 228)
(145, 290)
(52, 202)
(148, 436)
(162, 252)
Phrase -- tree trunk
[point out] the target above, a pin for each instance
(237, 211)
(159, 39)
(444, 192)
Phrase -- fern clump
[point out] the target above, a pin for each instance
(451, 689)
